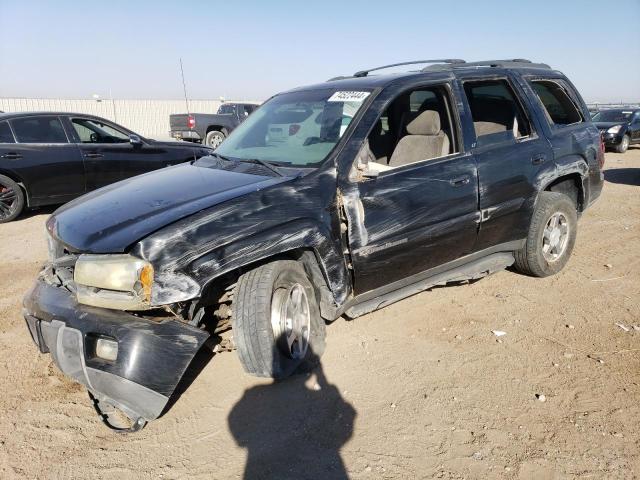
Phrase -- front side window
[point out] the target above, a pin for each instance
(93, 131)
(416, 126)
(558, 105)
(5, 133)
(39, 130)
(496, 110)
(299, 128)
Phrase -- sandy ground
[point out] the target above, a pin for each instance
(421, 389)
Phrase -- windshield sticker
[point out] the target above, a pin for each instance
(348, 96)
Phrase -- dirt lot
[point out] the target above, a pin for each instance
(420, 389)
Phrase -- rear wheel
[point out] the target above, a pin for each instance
(552, 235)
(214, 138)
(276, 320)
(624, 144)
(11, 199)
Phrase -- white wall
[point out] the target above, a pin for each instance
(149, 118)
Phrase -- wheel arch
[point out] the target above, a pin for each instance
(569, 175)
(219, 128)
(313, 264)
(572, 185)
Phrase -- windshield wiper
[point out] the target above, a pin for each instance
(264, 163)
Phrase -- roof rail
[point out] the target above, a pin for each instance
(364, 73)
(506, 63)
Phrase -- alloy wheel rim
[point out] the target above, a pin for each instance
(555, 237)
(625, 143)
(291, 320)
(8, 201)
(216, 140)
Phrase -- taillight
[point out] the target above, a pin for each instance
(601, 153)
(293, 129)
(191, 121)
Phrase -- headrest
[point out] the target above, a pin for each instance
(426, 123)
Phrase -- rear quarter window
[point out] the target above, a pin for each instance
(5, 133)
(559, 107)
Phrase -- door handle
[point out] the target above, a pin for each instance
(460, 181)
(12, 156)
(93, 155)
(539, 159)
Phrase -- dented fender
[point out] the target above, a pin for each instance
(298, 213)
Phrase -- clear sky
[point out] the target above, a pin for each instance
(248, 49)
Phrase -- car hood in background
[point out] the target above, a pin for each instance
(602, 125)
(111, 219)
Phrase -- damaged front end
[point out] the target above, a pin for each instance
(129, 361)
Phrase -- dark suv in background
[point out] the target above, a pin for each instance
(619, 127)
(376, 188)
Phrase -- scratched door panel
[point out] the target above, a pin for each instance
(414, 218)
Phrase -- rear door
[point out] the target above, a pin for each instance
(109, 153)
(41, 156)
(509, 151)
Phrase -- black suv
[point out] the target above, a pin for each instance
(619, 127)
(371, 188)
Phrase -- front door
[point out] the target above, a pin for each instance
(110, 155)
(421, 209)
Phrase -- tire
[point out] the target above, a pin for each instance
(547, 249)
(260, 296)
(624, 144)
(11, 199)
(214, 138)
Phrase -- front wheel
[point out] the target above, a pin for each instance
(214, 138)
(277, 325)
(624, 144)
(11, 199)
(552, 235)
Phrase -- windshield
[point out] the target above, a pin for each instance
(613, 116)
(299, 128)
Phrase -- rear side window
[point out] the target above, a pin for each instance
(39, 130)
(496, 110)
(559, 107)
(5, 133)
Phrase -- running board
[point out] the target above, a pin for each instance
(470, 271)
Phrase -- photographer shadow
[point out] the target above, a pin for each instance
(293, 428)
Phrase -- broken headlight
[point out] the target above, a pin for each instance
(120, 282)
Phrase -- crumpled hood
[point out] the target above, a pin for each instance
(112, 218)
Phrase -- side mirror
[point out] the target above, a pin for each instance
(135, 140)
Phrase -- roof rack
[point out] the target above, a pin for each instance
(451, 63)
(505, 63)
(364, 73)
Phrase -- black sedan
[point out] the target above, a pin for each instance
(619, 127)
(51, 157)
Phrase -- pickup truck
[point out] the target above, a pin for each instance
(210, 128)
